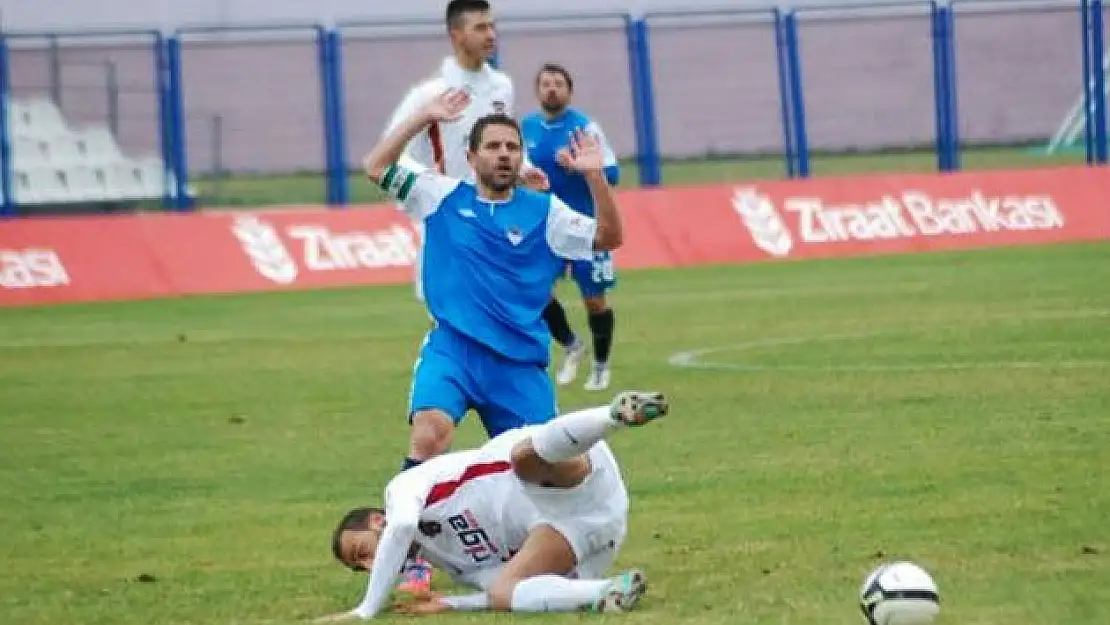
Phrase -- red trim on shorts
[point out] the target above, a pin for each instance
(443, 490)
(437, 148)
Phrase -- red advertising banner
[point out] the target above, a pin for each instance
(854, 216)
(65, 259)
(45, 260)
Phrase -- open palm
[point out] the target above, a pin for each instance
(447, 106)
(585, 153)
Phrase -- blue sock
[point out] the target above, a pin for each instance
(409, 463)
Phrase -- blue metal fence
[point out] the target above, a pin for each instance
(112, 78)
(350, 62)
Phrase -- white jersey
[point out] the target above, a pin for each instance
(469, 513)
(443, 146)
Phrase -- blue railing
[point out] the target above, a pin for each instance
(171, 88)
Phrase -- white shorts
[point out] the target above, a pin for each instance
(592, 516)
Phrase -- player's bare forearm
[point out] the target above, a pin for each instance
(392, 145)
(610, 230)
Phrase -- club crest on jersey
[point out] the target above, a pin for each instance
(515, 235)
(499, 107)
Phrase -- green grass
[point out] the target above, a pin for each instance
(251, 191)
(948, 408)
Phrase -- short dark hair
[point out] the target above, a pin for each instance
(496, 119)
(456, 9)
(355, 520)
(555, 68)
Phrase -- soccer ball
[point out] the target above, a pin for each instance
(899, 593)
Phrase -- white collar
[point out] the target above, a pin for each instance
(454, 74)
(492, 202)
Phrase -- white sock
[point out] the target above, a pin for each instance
(572, 434)
(553, 593)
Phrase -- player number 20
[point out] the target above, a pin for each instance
(602, 269)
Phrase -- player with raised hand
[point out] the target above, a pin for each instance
(548, 133)
(492, 252)
(441, 146)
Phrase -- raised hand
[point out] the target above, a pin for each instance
(585, 153)
(535, 179)
(447, 106)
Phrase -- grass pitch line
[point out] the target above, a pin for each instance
(699, 359)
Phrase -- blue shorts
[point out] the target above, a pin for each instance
(594, 277)
(455, 373)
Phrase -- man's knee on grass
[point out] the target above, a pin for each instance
(544, 552)
(533, 469)
(433, 431)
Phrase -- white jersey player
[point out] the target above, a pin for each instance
(532, 520)
(443, 146)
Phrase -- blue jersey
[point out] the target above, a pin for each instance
(489, 266)
(545, 137)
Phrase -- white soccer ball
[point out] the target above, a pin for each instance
(899, 593)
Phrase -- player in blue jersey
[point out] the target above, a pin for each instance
(492, 253)
(547, 135)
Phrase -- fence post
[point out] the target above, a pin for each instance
(952, 114)
(111, 86)
(801, 140)
(634, 84)
(939, 101)
(643, 102)
(323, 58)
(786, 102)
(340, 182)
(1088, 102)
(55, 62)
(176, 99)
(1097, 52)
(7, 205)
(940, 89)
(165, 123)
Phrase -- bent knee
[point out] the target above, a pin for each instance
(596, 304)
(527, 464)
(432, 433)
(530, 468)
(501, 594)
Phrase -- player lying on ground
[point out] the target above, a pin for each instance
(532, 520)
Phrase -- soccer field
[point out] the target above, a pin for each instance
(185, 461)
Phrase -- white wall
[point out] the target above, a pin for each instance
(39, 15)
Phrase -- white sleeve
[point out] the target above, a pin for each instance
(417, 155)
(510, 103)
(419, 192)
(404, 500)
(594, 128)
(468, 603)
(570, 233)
